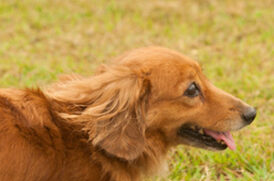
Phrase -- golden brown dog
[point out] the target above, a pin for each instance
(118, 124)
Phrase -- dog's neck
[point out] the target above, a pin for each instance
(71, 103)
(151, 162)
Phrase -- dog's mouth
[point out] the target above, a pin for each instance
(205, 138)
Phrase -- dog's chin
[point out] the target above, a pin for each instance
(195, 136)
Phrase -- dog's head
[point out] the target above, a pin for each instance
(159, 90)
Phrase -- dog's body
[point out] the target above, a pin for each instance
(38, 145)
(117, 125)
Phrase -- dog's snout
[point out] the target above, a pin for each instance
(249, 115)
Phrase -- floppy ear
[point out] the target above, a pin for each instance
(119, 127)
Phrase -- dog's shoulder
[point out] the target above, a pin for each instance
(27, 113)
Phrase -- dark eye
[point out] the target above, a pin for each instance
(192, 90)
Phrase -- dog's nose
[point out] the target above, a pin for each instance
(249, 115)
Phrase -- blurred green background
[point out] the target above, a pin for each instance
(232, 40)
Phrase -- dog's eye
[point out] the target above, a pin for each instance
(192, 90)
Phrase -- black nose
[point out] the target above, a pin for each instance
(249, 115)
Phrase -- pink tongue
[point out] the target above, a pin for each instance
(225, 136)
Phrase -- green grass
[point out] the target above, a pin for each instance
(232, 39)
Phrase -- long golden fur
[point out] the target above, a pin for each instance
(117, 125)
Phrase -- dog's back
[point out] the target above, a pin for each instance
(33, 147)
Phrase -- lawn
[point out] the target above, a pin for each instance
(232, 39)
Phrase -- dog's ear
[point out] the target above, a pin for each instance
(119, 127)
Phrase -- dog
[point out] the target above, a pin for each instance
(118, 124)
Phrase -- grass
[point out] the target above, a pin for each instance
(232, 39)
